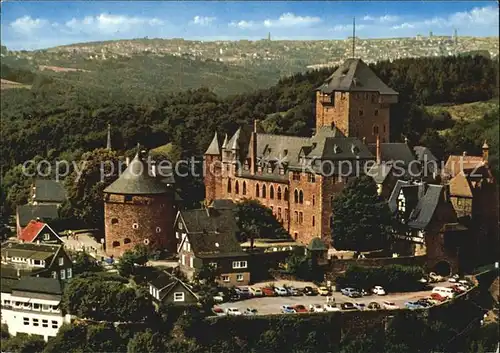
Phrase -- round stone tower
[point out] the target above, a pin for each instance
(139, 209)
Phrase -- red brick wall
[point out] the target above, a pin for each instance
(148, 212)
(326, 113)
(213, 184)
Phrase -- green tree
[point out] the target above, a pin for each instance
(257, 221)
(146, 342)
(133, 260)
(83, 262)
(361, 219)
(23, 344)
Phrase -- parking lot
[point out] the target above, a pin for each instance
(272, 305)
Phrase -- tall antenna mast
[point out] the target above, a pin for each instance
(353, 36)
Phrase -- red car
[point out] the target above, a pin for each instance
(300, 309)
(268, 292)
(438, 297)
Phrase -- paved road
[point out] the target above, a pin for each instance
(272, 305)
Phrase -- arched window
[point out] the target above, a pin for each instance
(244, 188)
(257, 190)
(314, 221)
(301, 217)
(236, 187)
(314, 200)
(126, 241)
(271, 192)
(228, 186)
(375, 129)
(114, 220)
(296, 196)
(279, 213)
(286, 194)
(296, 217)
(301, 197)
(279, 192)
(115, 244)
(264, 191)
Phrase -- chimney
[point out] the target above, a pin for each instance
(379, 157)
(253, 148)
(486, 150)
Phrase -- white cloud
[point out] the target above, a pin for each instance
(346, 27)
(26, 24)
(107, 24)
(286, 20)
(202, 20)
(403, 25)
(368, 18)
(381, 19)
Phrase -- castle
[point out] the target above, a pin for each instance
(298, 177)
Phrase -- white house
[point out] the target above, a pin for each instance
(31, 305)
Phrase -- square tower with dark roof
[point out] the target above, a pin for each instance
(356, 101)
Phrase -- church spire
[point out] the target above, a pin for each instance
(108, 143)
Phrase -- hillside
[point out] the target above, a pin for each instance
(467, 111)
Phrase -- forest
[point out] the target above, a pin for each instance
(61, 118)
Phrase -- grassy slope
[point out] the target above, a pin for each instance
(468, 111)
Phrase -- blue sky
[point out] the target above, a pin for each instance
(37, 24)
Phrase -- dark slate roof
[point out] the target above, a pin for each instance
(6, 284)
(11, 272)
(49, 191)
(316, 244)
(399, 153)
(422, 214)
(137, 179)
(209, 220)
(29, 250)
(355, 75)
(166, 282)
(214, 148)
(26, 213)
(223, 204)
(212, 244)
(39, 285)
(410, 192)
(379, 172)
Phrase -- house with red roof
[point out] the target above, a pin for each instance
(39, 232)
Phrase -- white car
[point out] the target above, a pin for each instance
(233, 311)
(378, 290)
(330, 307)
(316, 308)
(256, 291)
(435, 277)
(453, 279)
(219, 298)
(280, 291)
(389, 305)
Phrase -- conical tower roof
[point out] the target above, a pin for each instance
(213, 149)
(137, 180)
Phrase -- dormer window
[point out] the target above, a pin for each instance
(259, 168)
(354, 149)
(336, 149)
(269, 169)
(282, 171)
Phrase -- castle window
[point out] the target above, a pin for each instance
(296, 217)
(376, 112)
(128, 198)
(244, 188)
(271, 192)
(229, 186)
(279, 213)
(295, 235)
(135, 226)
(236, 187)
(158, 229)
(301, 217)
(257, 191)
(114, 220)
(296, 176)
(301, 197)
(264, 193)
(126, 241)
(375, 129)
(296, 196)
(286, 196)
(314, 200)
(279, 192)
(313, 221)
(311, 177)
(115, 244)
(286, 214)
(361, 112)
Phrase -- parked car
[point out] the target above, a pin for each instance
(435, 277)
(423, 280)
(444, 292)
(465, 283)
(323, 291)
(350, 292)
(414, 305)
(294, 292)
(462, 287)
(233, 311)
(218, 311)
(348, 306)
(425, 303)
(299, 308)
(438, 297)
(243, 292)
(256, 291)
(316, 308)
(360, 306)
(431, 300)
(454, 279)
(330, 307)
(287, 309)
(219, 298)
(389, 305)
(374, 306)
(281, 291)
(310, 291)
(378, 290)
(457, 289)
(250, 312)
(268, 292)
(365, 293)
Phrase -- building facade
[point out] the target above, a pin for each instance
(138, 209)
(298, 177)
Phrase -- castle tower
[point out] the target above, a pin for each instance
(356, 101)
(139, 209)
(213, 169)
